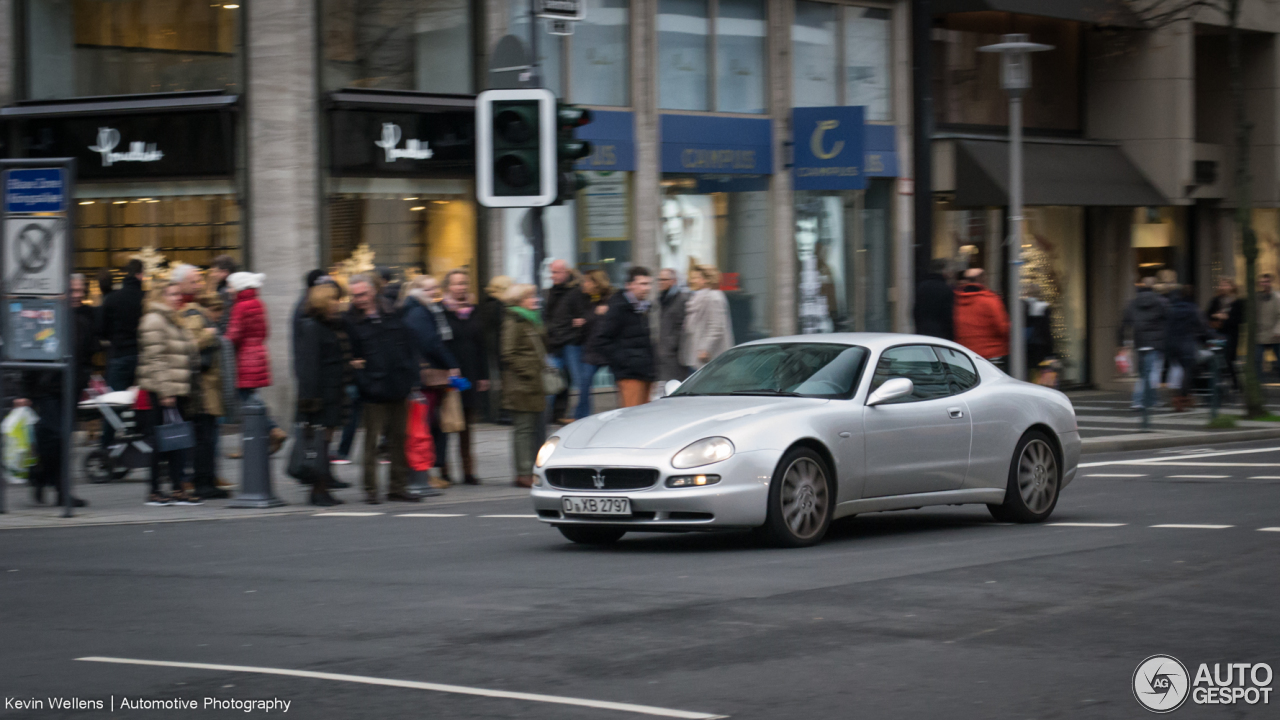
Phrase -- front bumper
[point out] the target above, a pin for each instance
(1071, 445)
(739, 500)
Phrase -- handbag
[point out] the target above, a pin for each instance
(552, 381)
(308, 459)
(175, 433)
(433, 377)
(452, 417)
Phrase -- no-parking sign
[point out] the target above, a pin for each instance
(34, 257)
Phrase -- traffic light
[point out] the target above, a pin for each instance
(515, 148)
(569, 150)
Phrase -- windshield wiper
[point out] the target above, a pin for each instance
(764, 391)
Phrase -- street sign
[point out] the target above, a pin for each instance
(35, 190)
(560, 27)
(561, 9)
(34, 257)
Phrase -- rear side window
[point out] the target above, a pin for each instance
(917, 363)
(964, 376)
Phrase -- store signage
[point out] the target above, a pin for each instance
(109, 138)
(828, 148)
(880, 150)
(412, 150)
(718, 145)
(613, 141)
(35, 190)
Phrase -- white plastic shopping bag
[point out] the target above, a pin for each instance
(19, 428)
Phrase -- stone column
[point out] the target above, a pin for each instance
(646, 191)
(496, 24)
(8, 66)
(283, 184)
(781, 197)
(903, 283)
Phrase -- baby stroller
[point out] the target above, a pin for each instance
(129, 450)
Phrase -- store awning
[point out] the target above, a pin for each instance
(1097, 12)
(402, 100)
(122, 104)
(1054, 174)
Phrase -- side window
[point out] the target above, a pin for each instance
(917, 363)
(964, 376)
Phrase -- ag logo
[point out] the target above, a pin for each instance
(1161, 683)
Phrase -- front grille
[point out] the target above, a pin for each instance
(608, 478)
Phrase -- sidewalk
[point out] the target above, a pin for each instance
(1108, 424)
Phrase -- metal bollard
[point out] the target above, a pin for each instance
(255, 482)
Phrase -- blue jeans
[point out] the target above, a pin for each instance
(353, 424)
(582, 374)
(1150, 363)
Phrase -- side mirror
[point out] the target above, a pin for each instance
(892, 389)
(670, 387)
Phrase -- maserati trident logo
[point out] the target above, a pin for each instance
(598, 480)
(1160, 683)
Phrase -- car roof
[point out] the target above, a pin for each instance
(869, 340)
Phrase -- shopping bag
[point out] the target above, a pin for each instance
(19, 428)
(1124, 364)
(309, 457)
(175, 433)
(419, 448)
(452, 417)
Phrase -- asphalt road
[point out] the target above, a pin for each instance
(899, 615)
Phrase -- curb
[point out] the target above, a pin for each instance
(1094, 446)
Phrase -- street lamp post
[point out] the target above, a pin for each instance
(1015, 77)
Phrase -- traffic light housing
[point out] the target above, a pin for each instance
(569, 150)
(516, 152)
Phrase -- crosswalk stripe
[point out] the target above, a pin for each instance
(508, 516)
(346, 514)
(1264, 477)
(1087, 524)
(1115, 475)
(1201, 477)
(432, 515)
(1193, 527)
(1270, 529)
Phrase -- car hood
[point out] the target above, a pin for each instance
(677, 421)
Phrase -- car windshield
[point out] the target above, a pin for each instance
(820, 370)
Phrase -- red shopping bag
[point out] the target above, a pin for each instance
(419, 448)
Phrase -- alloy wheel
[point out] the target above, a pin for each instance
(804, 498)
(1038, 476)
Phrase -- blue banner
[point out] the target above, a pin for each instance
(705, 144)
(35, 190)
(828, 148)
(612, 135)
(881, 151)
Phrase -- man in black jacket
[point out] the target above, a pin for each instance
(933, 313)
(1145, 318)
(385, 373)
(624, 337)
(558, 314)
(121, 312)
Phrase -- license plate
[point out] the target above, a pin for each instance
(596, 506)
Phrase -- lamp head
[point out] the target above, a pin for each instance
(1015, 65)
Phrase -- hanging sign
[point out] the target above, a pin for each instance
(560, 9)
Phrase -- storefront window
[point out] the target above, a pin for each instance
(842, 57)
(844, 259)
(721, 221)
(113, 47)
(376, 221)
(192, 229)
(682, 55)
(1159, 241)
(600, 46)
(966, 83)
(740, 51)
(1053, 266)
(398, 45)
(725, 35)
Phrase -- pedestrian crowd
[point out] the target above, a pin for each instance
(410, 363)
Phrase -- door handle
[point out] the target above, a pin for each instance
(955, 413)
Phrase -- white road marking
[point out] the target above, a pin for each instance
(1194, 527)
(1175, 457)
(1082, 524)
(1264, 477)
(414, 685)
(1200, 477)
(346, 514)
(508, 516)
(1270, 529)
(1172, 463)
(1115, 475)
(432, 515)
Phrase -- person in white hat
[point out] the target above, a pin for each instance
(247, 330)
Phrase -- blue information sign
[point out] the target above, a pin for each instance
(828, 149)
(35, 190)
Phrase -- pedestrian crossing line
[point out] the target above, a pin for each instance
(1193, 527)
(436, 515)
(1270, 529)
(1087, 524)
(1264, 477)
(1201, 477)
(508, 516)
(1130, 475)
(346, 514)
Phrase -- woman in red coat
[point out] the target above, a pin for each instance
(247, 330)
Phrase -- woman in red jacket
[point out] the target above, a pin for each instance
(247, 330)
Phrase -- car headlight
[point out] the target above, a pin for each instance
(544, 452)
(703, 452)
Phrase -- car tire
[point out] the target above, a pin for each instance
(1035, 480)
(586, 535)
(801, 500)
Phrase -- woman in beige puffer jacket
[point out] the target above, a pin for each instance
(168, 357)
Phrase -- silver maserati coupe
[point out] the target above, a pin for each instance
(786, 434)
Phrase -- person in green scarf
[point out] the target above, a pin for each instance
(524, 354)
